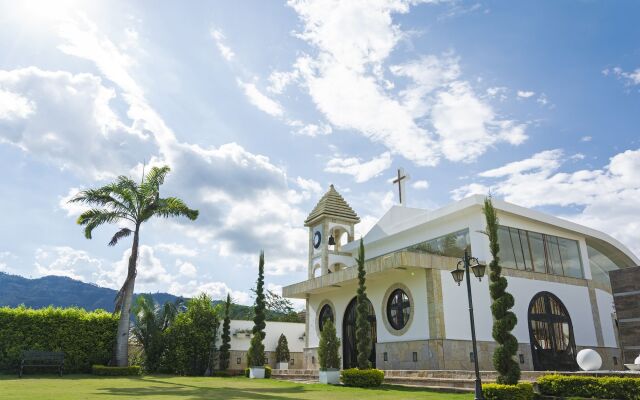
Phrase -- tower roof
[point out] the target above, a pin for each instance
(332, 205)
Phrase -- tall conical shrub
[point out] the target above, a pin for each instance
(503, 319)
(363, 328)
(255, 354)
(226, 336)
(329, 347)
(282, 350)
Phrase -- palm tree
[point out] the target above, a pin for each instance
(126, 201)
(151, 321)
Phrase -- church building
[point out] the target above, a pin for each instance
(557, 272)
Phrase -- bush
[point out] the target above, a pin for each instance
(191, 339)
(496, 391)
(329, 347)
(267, 372)
(115, 371)
(362, 377)
(221, 374)
(85, 337)
(282, 351)
(590, 386)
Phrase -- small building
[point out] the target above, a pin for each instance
(241, 338)
(557, 272)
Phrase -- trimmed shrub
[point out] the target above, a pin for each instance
(362, 377)
(329, 347)
(103, 370)
(496, 391)
(267, 372)
(255, 354)
(85, 337)
(282, 351)
(222, 374)
(590, 386)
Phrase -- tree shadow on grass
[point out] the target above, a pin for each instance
(179, 390)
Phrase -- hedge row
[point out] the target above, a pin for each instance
(590, 386)
(86, 338)
(362, 377)
(496, 391)
(102, 370)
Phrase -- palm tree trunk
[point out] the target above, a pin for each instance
(122, 340)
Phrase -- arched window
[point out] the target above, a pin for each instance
(551, 333)
(326, 313)
(398, 309)
(349, 350)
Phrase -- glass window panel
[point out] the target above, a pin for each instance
(553, 254)
(524, 243)
(601, 265)
(570, 253)
(537, 251)
(507, 258)
(517, 248)
(451, 245)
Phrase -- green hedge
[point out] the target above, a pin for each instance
(86, 338)
(362, 377)
(496, 391)
(267, 372)
(102, 370)
(590, 386)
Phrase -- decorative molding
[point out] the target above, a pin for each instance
(384, 305)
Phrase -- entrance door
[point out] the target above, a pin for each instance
(551, 333)
(349, 350)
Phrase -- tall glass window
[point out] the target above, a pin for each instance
(532, 251)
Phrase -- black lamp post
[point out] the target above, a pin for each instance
(461, 270)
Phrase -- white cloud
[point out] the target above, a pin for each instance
(187, 269)
(498, 92)
(346, 81)
(538, 181)
(260, 100)
(219, 38)
(13, 106)
(629, 78)
(525, 94)
(420, 185)
(176, 249)
(67, 261)
(314, 130)
(586, 139)
(278, 80)
(361, 171)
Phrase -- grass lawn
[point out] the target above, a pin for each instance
(88, 387)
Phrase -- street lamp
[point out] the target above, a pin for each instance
(462, 269)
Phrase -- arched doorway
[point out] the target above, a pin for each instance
(553, 346)
(349, 350)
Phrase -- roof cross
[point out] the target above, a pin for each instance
(400, 181)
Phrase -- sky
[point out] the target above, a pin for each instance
(259, 106)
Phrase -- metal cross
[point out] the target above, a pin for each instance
(400, 181)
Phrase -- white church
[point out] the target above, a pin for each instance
(557, 272)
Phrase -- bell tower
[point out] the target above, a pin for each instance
(331, 225)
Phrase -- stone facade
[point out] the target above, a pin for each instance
(238, 360)
(626, 295)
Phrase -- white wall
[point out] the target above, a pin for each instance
(376, 288)
(605, 308)
(292, 330)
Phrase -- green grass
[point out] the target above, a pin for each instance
(87, 387)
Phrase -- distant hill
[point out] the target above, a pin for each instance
(61, 291)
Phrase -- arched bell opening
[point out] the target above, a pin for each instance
(338, 237)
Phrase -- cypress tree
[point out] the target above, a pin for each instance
(282, 350)
(329, 347)
(255, 354)
(226, 336)
(504, 320)
(363, 328)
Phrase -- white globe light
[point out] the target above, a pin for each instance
(589, 360)
(637, 361)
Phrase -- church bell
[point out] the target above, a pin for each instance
(332, 241)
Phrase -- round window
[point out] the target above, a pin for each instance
(326, 313)
(398, 309)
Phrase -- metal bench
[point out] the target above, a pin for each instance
(34, 358)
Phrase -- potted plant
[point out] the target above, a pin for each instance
(328, 354)
(282, 353)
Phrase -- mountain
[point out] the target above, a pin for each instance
(61, 291)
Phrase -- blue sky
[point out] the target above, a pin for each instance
(259, 106)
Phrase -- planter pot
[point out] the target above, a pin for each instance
(330, 376)
(282, 365)
(256, 372)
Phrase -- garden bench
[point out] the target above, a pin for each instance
(33, 358)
